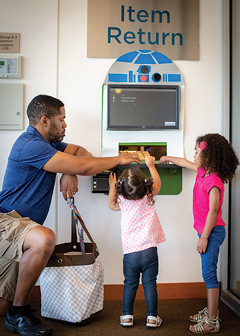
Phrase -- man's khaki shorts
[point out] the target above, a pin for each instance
(13, 230)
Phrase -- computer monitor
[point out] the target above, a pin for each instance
(143, 107)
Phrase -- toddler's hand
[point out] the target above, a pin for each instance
(150, 161)
(112, 180)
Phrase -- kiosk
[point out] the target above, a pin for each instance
(142, 111)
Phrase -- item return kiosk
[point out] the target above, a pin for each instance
(142, 111)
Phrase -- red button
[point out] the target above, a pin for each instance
(143, 78)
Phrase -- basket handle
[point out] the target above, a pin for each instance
(74, 232)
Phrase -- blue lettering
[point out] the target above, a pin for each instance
(122, 13)
(130, 11)
(126, 37)
(164, 35)
(153, 42)
(144, 15)
(129, 37)
(140, 33)
(110, 36)
(180, 37)
(160, 14)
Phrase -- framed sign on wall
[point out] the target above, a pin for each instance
(170, 27)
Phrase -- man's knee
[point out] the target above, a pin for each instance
(48, 241)
(40, 238)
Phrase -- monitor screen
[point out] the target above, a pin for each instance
(143, 107)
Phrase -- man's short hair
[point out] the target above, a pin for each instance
(43, 105)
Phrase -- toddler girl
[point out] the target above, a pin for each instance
(215, 163)
(141, 232)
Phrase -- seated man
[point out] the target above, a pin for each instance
(25, 245)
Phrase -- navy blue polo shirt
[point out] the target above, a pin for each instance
(27, 188)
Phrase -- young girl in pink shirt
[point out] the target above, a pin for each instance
(215, 163)
(141, 232)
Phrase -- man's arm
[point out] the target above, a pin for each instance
(77, 150)
(69, 183)
(70, 164)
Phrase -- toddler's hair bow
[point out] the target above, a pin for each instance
(203, 145)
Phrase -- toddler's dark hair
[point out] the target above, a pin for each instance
(217, 155)
(133, 185)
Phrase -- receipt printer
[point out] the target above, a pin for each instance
(100, 182)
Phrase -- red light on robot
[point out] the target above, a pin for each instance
(143, 78)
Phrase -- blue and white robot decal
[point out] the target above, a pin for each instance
(144, 67)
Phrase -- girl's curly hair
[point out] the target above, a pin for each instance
(217, 155)
(133, 185)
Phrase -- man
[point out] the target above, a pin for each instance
(25, 245)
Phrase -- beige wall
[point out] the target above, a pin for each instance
(53, 47)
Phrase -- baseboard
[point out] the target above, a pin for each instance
(169, 291)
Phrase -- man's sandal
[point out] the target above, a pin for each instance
(123, 319)
(199, 328)
(158, 321)
(198, 317)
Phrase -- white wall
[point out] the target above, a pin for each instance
(37, 22)
(63, 69)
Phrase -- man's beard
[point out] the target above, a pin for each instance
(53, 135)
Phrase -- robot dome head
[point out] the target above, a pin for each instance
(144, 67)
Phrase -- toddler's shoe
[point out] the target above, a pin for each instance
(126, 320)
(157, 319)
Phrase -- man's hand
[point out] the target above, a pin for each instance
(128, 158)
(68, 185)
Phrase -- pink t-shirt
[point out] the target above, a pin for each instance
(141, 228)
(201, 190)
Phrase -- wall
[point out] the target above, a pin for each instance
(38, 47)
(53, 46)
